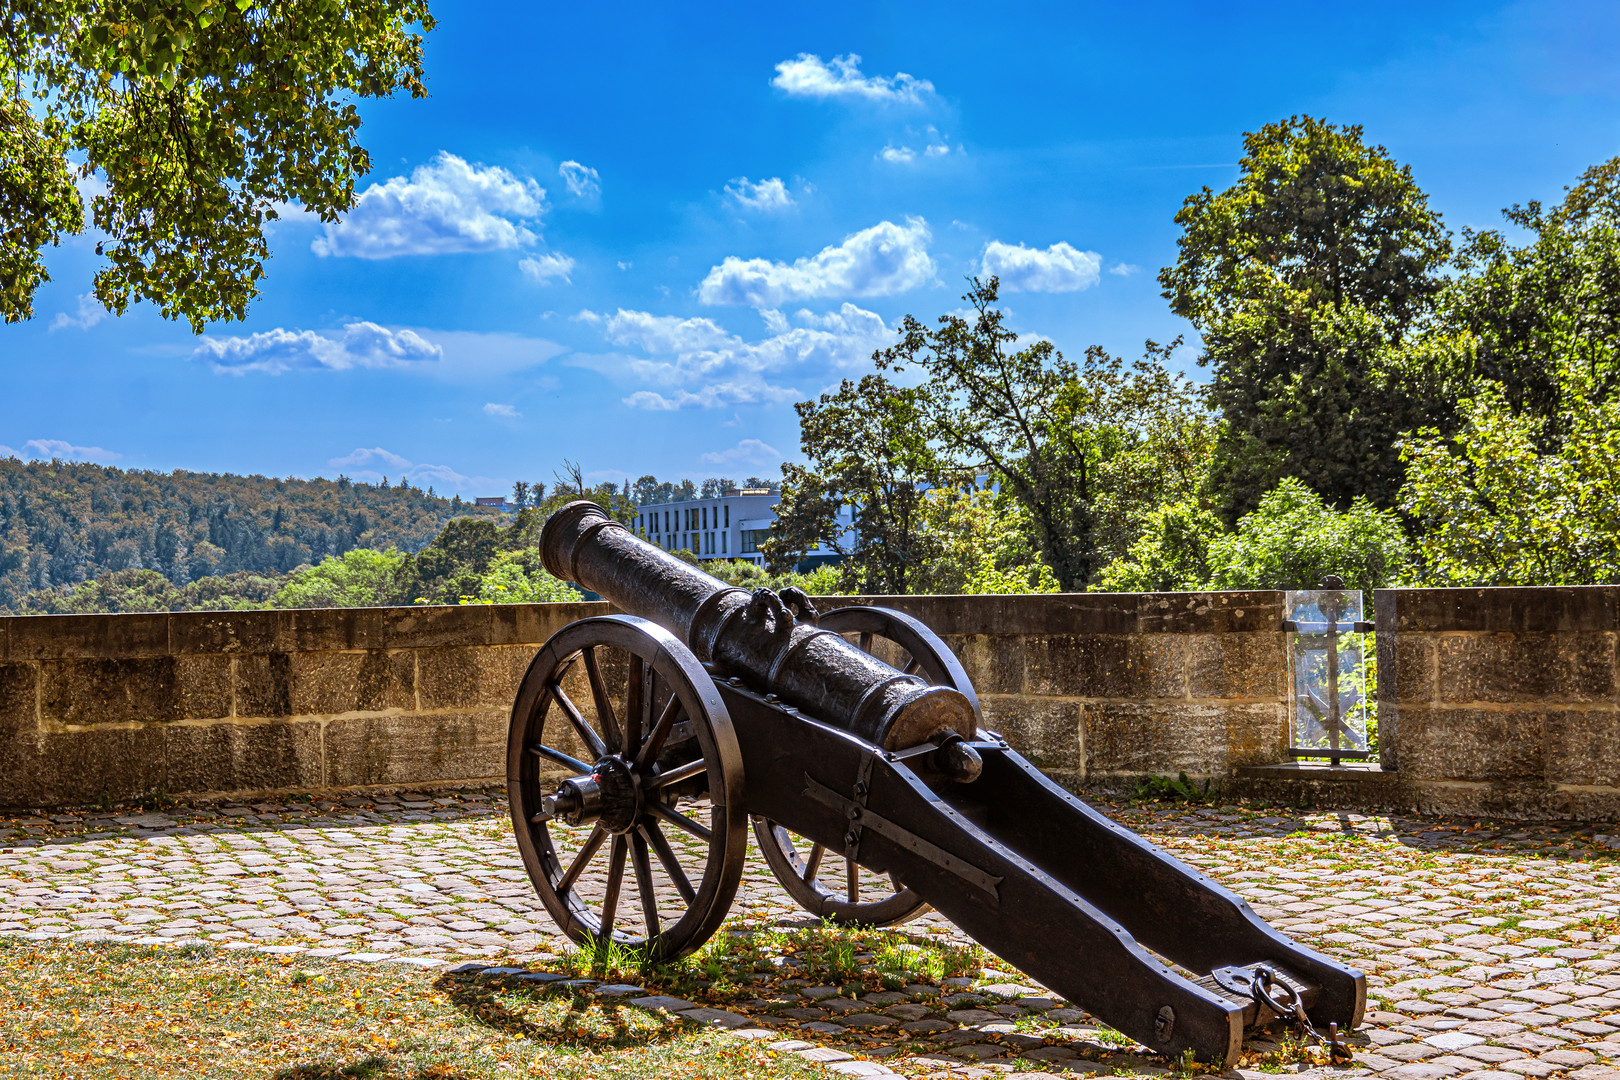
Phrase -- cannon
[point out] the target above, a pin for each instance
(652, 741)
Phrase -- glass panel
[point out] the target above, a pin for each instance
(1327, 708)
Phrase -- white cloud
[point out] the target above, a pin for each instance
(543, 269)
(898, 155)
(623, 265)
(766, 196)
(52, 449)
(497, 409)
(361, 344)
(8, 452)
(583, 181)
(881, 261)
(1060, 268)
(369, 464)
(696, 363)
(937, 150)
(446, 207)
(1124, 269)
(90, 312)
(809, 76)
(746, 452)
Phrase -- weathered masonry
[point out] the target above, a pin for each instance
(1496, 701)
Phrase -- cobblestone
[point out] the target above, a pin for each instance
(1492, 951)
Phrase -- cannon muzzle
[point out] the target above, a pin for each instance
(752, 636)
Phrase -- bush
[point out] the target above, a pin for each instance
(1293, 540)
(357, 578)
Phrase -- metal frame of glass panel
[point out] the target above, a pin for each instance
(1327, 704)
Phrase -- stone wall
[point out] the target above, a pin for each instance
(117, 707)
(1502, 701)
(1492, 701)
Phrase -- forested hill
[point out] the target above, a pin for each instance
(61, 523)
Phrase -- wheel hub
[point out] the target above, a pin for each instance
(609, 796)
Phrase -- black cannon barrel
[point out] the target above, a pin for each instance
(750, 635)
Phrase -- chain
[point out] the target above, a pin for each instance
(1290, 1007)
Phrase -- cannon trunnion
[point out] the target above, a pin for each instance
(645, 744)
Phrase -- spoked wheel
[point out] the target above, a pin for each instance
(839, 889)
(621, 752)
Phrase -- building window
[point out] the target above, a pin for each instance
(748, 541)
(723, 543)
(705, 513)
(728, 516)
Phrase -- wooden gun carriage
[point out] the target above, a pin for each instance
(664, 731)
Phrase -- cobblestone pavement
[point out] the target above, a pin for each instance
(1493, 951)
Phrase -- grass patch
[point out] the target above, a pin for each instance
(76, 1010)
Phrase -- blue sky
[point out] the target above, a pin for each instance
(633, 236)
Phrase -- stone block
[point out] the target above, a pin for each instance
(994, 663)
(341, 682)
(1472, 744)
(79, 767)
(1583, 747)
(226, 631)
(1537, 609)
(48, 637)
(1414, 673)
(1045, 731)
(242, 757)
(137, 690)
(334, 629)
(264, 685)
(1540, 667)
(459, 678)
(1250, 666)
(1106, 666)
(1160, 738)
(1256, 734)
(419, 748)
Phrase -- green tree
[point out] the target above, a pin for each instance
(977, 540)
(358, 578)
(869, 452)
(1171, 554)
(1497, 507)
(516, 577)
(1294, 539)
(1058, 437)
(199, 117)
(1529, 310)
(1308, 279)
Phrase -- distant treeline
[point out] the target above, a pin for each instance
(65, 523)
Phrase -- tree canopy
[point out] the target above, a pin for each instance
(189, 122)
(1306, 279)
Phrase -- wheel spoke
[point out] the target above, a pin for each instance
(586, 851)
(680, 821)
(676, 775)
(578, 767)
(610, 898)
(666, 856)
(813, 862)
(605, 715)
(660, 732)
(644, 883)
(592, 741)
(636, 693)
(866, 641)
(913, 666)
(852, 878)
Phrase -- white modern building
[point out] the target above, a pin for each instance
(731, 526)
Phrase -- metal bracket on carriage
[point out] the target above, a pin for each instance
(861, 817)
(1270, 992)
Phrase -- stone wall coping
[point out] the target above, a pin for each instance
(1511, 609)
(1562, 609)
(54, 637)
